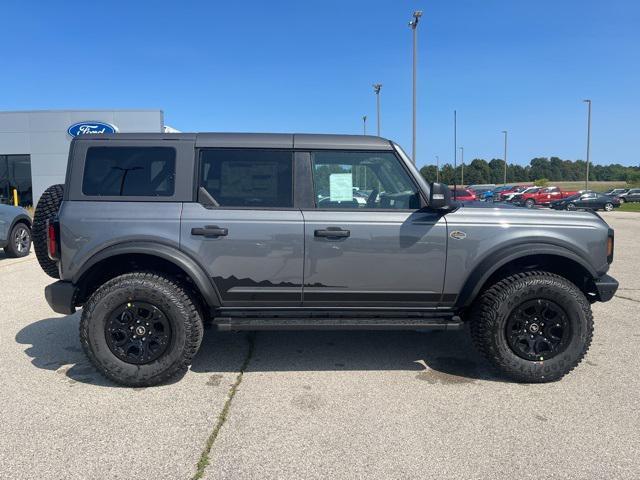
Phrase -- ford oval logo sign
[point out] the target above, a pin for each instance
(91, 128)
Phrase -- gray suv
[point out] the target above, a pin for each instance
(153, 234)
(15, 231)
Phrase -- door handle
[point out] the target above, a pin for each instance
(332, 232)
(210, 231)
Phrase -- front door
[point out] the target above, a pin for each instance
(250, 239)
(367, 242)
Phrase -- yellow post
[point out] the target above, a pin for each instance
(15, 197)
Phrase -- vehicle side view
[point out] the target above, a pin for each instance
(15, 231)
(590, 200)
(542, 196)
(632, 195)
(154, 234)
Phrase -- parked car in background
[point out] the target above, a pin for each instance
(463, 195)
(633, 195)
(494, 195)
(614, 192)
(15, 231)
(543, 196)
(509, 195)
(482, 193)
(482, 187)
(590, 200)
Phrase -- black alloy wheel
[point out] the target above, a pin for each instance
(138, 332)
(538, 330)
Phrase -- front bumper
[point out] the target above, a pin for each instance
(606, 287)
(60, 297)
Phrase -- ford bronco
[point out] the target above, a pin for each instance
(153, 234)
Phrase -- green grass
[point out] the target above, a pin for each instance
(630, 207)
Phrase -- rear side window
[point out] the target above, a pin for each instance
(248, 178)
(129, 172)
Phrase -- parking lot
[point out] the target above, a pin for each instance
(318, 404)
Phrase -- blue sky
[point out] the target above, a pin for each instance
(308, 67)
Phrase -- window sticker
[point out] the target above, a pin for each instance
(340, 187)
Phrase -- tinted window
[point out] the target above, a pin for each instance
(129, 171)
(362, 180)
(248, 178)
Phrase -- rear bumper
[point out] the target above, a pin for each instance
(60, 296)
(606, 287)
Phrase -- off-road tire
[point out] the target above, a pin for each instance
(17, 248)
(167, 295)
(47, 208)
(492, 309)
(530, 203)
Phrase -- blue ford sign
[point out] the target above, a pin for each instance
(90, 128)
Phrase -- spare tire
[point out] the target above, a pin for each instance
(47, 208)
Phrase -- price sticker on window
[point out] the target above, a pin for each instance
(341, 187)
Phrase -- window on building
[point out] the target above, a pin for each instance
(248, 178)
(129, 172)
(15, 174)
(373, 180)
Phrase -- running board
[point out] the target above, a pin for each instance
(337, 323)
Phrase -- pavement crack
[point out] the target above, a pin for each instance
(222, 417)
(627, 298)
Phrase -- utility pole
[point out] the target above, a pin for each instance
(505, 157)
(413, 24)
(376, 89)
(364, 124)
(437, 169)
(462, 166)
(455, 151)
(586, 180)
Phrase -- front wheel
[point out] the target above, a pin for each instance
(571, 206)
(608, 206)
(622, 200)
(533, 327)
(141, 329)
(529, 203)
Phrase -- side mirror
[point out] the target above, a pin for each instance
(440, 197)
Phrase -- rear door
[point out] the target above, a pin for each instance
(367, 242)
(252, 242)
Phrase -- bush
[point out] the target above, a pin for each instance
(541, 182)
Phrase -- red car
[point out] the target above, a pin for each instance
(463, 195)
(544, 196)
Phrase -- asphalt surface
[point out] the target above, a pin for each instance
(318, 404)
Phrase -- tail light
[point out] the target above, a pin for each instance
(610, 246)
(53, 240)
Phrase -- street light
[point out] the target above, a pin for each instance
(505, 157)
(376, 89)
(462, 166)
(437, 169)
(586, 180)
(364, 124)
(413, 24)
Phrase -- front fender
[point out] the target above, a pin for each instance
(505, 254)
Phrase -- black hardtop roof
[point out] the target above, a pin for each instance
(258, 140)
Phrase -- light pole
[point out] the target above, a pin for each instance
(505, 157)
(376, 89)
(414, 26)
(586, 180)
(437, 169)
(462, 166)
(364, 124)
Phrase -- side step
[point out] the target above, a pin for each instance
(337, 323)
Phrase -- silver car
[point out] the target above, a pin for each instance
(15, 231)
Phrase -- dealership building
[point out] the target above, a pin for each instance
(34, 145)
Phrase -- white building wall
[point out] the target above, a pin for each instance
(43, 135)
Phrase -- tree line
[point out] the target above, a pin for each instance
(480, 171)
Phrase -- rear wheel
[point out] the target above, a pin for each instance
(19, 241)
(47, 208)
(571, 206)
(533, 327)
(141, 329)
(622, 200)
(608, 206)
